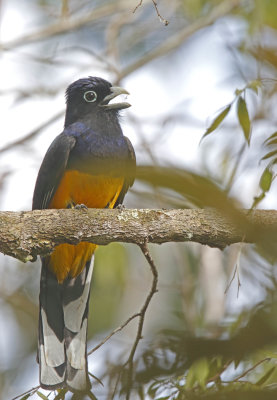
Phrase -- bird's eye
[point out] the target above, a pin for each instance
(90, 96)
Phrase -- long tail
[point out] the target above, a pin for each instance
(62, 347)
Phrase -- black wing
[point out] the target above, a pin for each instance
(131, 168)
(52, 170)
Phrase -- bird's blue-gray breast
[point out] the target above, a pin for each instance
(97, 153)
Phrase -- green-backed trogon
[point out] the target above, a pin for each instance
(90, 163)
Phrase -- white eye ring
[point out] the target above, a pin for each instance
(90, 96)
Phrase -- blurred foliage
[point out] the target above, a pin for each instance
(109, 281)
(198, 342)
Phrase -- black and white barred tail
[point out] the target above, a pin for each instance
(63, 319)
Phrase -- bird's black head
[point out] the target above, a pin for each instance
(89, 98)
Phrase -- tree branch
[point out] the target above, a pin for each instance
(24, 235)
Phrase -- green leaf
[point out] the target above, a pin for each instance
(140, 392)
(198, 373)
(269, 155)
(266, 376)
(42, 396)
(96, 378)
(153, 389)
(190, 378)
(90, 395)
(272, 142)
(273, 136)
(61, 394)
(266, 180)
(217, 121)
(202, 371)
(26, 396)
(273, 161)
(215, 366)
(257, 200)
(243, 117)
(163, 398)
(237, 363)
(254, 85)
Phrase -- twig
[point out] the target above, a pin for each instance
(163, 20)
(223, 8)
(153, 290)
(96, 378)
(231, 281)
(34, 389)
(217, 375)
(137, 6)
(236, 272)
(113, 333)
(141, 314)
(251, 369)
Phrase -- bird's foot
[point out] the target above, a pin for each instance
(80, 207)
(120, 207)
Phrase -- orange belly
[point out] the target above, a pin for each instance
(93, 191)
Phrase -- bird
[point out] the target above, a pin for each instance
(91, 164)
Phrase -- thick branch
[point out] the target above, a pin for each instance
(24, 235)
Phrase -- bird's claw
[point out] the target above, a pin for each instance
(120, 207)
(80, 207)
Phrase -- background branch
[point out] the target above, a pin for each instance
(64, 26)
(173, 42)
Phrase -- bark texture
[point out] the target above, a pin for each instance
(25, 235)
